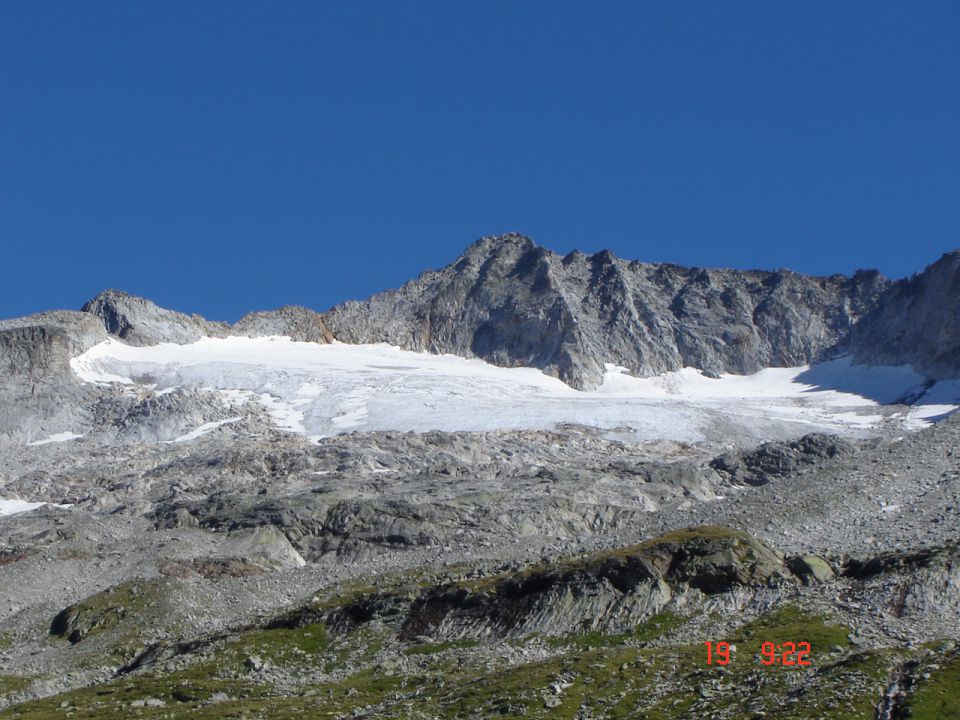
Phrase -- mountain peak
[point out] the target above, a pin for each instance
(498, 244)
(511, 302)
(139, 321)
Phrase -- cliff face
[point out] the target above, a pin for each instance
(513, 303)
(916, 322)
(39, 392)
(39, 347)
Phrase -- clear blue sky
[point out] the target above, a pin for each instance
(220, 157)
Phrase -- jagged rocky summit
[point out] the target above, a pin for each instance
(513, 303)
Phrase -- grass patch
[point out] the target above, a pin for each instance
(281, 645)
(124, 606)
(653, 628)
(13, 683)
(789, 624)
(939, 696)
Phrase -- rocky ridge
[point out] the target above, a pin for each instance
(513, 303)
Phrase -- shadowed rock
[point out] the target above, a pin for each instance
(778, 459)
(916, 322)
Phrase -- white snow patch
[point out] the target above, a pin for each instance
(56, 438)
(321, 390)
(15, 507)
(935, 403)
(285, 415)
(204, 429)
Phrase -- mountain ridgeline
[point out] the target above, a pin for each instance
(513, 303)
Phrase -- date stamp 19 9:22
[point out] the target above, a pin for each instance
(784, 654)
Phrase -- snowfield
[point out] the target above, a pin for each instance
(56, 438)
(15, 507)
(323, 390)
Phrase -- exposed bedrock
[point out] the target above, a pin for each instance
(39, 394)
(916, 322)
(615, 590)
(513, 303)
(38, 348)
(610, 591)
(298, 323)
(138, 321)
(779, 459)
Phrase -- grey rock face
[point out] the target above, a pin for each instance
(916, 322)
(297, 322)
(140, 322)
(39, 394)
(512, 303)
(607, 591)
(778, 459)
(39, 347)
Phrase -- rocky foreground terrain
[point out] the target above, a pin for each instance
(182, 548)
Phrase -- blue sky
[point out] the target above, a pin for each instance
(220, 157)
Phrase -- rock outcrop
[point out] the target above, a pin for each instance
(608, 591)
(916, 322)
(513, 303)
(39, 347)
(299, 323)
(138, 321)
(778, 459)
(39, 393)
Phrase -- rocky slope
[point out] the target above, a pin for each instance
(251, 567)
(200, 558)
